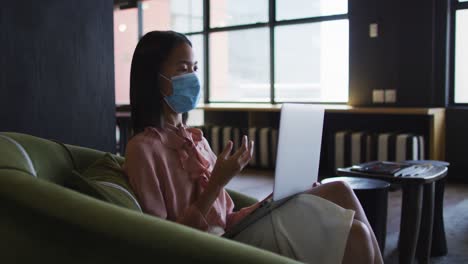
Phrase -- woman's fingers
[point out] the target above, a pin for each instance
(226, 151)
(242, 148)
(244, 143)
(244, 154)
(247, 155)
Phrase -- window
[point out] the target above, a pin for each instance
(125, 41)
(461, 53)
(237, 12)
(262, 51)
(239, 66)
(313, 67)
(292, 9)
(298, 53)
(178, 15)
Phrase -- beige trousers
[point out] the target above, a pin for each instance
(307, 228)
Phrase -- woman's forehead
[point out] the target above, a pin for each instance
(182, 54)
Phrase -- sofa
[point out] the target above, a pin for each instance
(42, 220)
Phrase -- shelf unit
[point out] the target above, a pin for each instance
(429, 122)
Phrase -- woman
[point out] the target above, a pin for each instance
(176, 176)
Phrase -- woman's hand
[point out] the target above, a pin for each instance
(225, 168)
(228, 166)
(316, 184)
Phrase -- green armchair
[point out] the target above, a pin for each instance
(43, 221)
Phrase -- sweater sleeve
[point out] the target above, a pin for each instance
(141, 171)
(140, 165)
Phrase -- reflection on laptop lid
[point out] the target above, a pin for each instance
(299, 144)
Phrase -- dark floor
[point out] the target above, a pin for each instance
(260, 183)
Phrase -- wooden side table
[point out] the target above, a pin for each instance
(421, 213)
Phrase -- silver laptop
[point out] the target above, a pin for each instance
(297, 160)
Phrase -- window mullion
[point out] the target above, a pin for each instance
(140, 20)
(271, 23)
(206, 47)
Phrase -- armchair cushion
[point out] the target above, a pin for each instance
(106, 181)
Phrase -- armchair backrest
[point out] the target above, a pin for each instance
(42, 158)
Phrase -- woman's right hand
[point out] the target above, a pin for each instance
(227, 166)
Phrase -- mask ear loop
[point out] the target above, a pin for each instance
(161, 90)
(165, 77)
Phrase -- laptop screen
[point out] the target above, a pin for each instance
(299, 145)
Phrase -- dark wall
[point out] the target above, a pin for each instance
(457, 143)
(57, 70)
(408, 55)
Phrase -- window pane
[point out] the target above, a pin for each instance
(197, 46)
(179, 15)
(237, 12)
(125, 41)
(311, 62)
(461, 57)
(239, 65)
(293, 9)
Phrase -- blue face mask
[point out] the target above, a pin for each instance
(185, 92)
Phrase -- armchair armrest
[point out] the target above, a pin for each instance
(241, 200)
(42, 220)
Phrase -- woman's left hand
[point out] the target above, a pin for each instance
(315, 184)
(228, 166)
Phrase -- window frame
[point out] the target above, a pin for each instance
(271, 24)
(455, 5)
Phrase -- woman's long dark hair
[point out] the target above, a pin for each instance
(145, 96)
